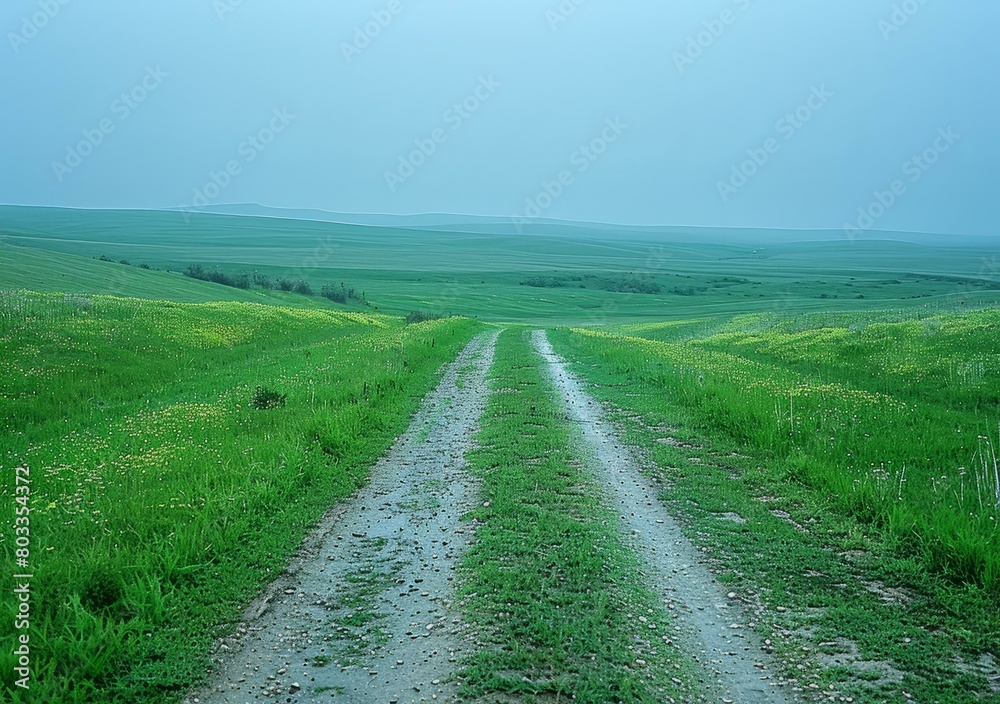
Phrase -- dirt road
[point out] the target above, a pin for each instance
(715, 629)
(364, 614)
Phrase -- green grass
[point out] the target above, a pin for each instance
(354, 621)
(31, 269)
(161, 500)
(808, 374)
(901, 565)
(481, 275)
(898, 420)
(548, 583)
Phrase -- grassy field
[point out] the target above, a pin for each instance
(897, 420)
(841, 398)
(860, 454)
(178, 453)
(586, 279)
(32, 269)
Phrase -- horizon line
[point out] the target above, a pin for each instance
(498, 218)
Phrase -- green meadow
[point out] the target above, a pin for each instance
(182, 437)
(178, 453)
(874, 436)
(552, 276)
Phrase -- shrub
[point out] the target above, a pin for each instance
(263, 281)
(420, 316)
(337, 295)
(543, 282)
(342, 294)
(631, 284)
(265, 399)
(246, 280)
(219, 277)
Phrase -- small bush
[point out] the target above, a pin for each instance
(342, 294)
(631, 284)
(262, 281)
(247, 280)
(543, 282)
(265, 399)
(220, 277)
(420, 316)
(101, 588)
(334, 294)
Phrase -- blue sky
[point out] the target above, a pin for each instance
(878, 114)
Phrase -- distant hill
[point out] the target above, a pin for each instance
(510, 226)
(557, 273)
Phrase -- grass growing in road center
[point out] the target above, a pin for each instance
(548, 582)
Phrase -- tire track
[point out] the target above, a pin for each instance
(364, 614)
(730, 655)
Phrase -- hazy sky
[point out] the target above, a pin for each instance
(783, 113)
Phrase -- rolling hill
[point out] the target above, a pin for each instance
(589, 277)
